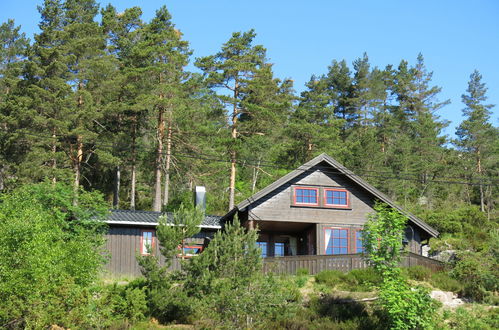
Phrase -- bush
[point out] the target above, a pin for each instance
(50, 253)
(474, 318)
(302, 272)
(444, 282)
(330, 277)
(417, 273)
(363, 279)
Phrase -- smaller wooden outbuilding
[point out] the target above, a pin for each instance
(131, 232)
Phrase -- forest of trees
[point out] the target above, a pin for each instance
(103, 100)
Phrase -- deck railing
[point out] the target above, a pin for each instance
(314, 264)
(341, 262)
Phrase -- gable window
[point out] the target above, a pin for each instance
(146, 242)
(306, 196)
(279, 249)
(263, 248)
(359, 246)
(336, 240)
(336, 198)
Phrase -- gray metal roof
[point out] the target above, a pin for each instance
(343, 170)
(150, 218)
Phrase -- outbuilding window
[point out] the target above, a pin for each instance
(336, 240)
(147, 242)
(306, 196)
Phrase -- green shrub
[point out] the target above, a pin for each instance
(50, 253)
(417, 273)
(330, 277)
(444, 282)
(300, 281)
(302, 272)
(363, 279)
(473, 318)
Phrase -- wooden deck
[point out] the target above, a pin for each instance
(341, 262)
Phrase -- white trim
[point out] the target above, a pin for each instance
(153, 224)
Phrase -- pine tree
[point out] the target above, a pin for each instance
(166, 55)
(89, 72)
(240, 69)
(13, 52)
(477, 138)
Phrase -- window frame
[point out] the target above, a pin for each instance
(336, 206)
(153, 234)
(356, 231)
(283, 249)
(326, 242)
(190, 246)
(317, 191)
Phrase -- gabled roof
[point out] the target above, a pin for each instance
(342, 170)
(150, 218)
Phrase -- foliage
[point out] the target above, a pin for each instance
(50, 252)
(404, 307)
(478, 273)
(444, 282)
(476, 317)
(184, 224)
(329, 277)
(382, 236)
(418, 273)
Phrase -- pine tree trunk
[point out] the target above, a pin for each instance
(2, 185)
(117, 183)
(77, 168)
(168, 162)
(54, 151)
(233, 155)
(134, 159)
(479, 168)
(160, 135)
(256, 170)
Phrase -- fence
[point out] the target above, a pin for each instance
(342, 262)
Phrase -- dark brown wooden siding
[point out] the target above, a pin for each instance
(278, 206)
(123, 244)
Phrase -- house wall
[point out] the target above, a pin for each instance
(278, 206)
(123, 244)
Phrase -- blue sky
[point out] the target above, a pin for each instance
(303, 37)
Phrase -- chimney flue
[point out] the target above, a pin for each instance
(200, 197)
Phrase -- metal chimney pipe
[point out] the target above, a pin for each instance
(200, 197)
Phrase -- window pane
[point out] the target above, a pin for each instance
(336, 241)
(263, 247)
(306, 196)
(279, 249)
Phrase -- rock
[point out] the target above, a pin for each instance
(447, 298)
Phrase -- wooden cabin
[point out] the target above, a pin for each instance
(319, 209)
(132, 232)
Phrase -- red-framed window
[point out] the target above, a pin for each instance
(192, 249)
(336, 240)
(147, 242)
(336, 198)
(306, 196)
(359, 245)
